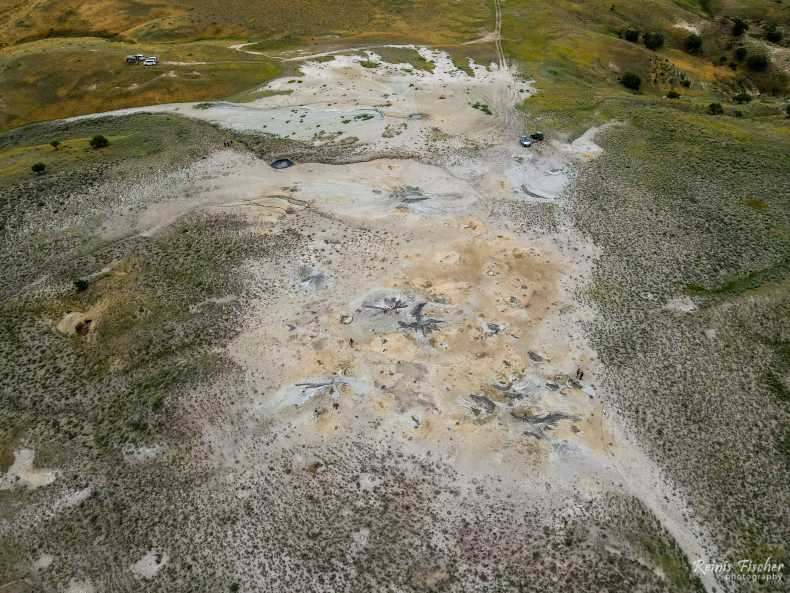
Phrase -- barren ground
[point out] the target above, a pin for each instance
(423, 358)
(407, 398)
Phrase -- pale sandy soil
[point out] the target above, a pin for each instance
(24, 472)
(464, 341)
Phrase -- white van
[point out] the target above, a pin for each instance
(151, 61)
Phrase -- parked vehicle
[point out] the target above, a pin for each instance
(151, 61)
(525, 141)
(282, 163)
(537, 136)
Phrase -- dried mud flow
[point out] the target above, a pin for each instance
(370, 371)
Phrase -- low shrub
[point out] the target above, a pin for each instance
(631, 81)
(715, 109)
(757, 62)
(653, 40)
(39, 168)
(739, 27)
(742, 98)
(693, 43)
(631, 35)
(673, 95)
(99, 141)
(773, 34)
(740, 54)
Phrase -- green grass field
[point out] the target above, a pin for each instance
(67, 58)
(56, 78)
(576, 55)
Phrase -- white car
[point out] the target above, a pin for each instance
(525, 141)
(152, 61)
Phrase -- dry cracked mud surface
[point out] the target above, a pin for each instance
(370, 371)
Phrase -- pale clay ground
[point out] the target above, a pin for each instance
(509, 323)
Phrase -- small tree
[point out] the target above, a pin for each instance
(715, 109)
(739, 27)
(99, 141)
(631, 35)
(631, 81)
(673, 95)
(740, 54)
(693, 43)
(757, 62)
(55, 144)
(39, 168)
(787, 110)
(653, 40)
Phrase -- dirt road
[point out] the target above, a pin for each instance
(498, 38)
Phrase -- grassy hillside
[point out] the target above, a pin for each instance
(578, 52)
(683, 203)
(66, 58)
(429, 21)
(59, 59)
(59, 77)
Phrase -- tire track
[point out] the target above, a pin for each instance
(498, 35)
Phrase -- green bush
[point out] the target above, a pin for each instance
(740, 54)
(685, 83)
(715, 109)
(55, 144)
(773, 34)
(653, 40)
(39, 168)
(742, 97)
(693, 43)
(99, 141)
(631, 35)
(757, 62)
(776, 84)
(673, 95)
(739, 27)
(631, 81)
